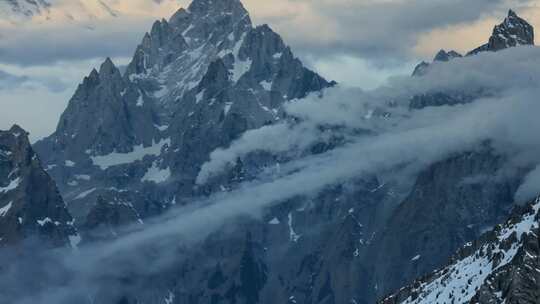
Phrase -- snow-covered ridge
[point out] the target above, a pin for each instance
(461, 280)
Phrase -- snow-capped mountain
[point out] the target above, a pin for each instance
(503, 266)
(131, 145)
(196, 82)
(31, 205)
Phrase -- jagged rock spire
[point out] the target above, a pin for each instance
(513, 31)
(445, 56)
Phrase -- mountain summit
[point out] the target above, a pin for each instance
(514, 31)
(196, 82)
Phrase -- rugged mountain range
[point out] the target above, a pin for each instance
(130, 146)
(503, 266)
(31, 204)
(196, 82)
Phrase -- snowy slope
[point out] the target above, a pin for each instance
(488, 271)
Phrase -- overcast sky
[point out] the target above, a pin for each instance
(356, 42)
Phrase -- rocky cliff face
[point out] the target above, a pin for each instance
(500, 267)
(31, 206)
(196, 82)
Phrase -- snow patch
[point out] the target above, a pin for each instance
(85, 194)
(44, 221)
(293, 236)
(4, 210)
(240, 68)
(170, 298)
(83, 177)
(12, 185)
(274, 221)
(161, 128)
(267, 85)
(138, 153)
(199, 97)
(140, 101)
(69, 163)
(161, 92)
(75, 240)
(156, 174)
(227, 108)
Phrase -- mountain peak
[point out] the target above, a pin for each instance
(445, 56)
(513, 31)
(107, 67)
(211, 12)
(16, 129)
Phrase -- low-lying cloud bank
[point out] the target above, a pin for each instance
(504, 113)
(381, 134)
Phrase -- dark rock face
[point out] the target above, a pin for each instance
(500, 267)
(514, 31)
(31, 206)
